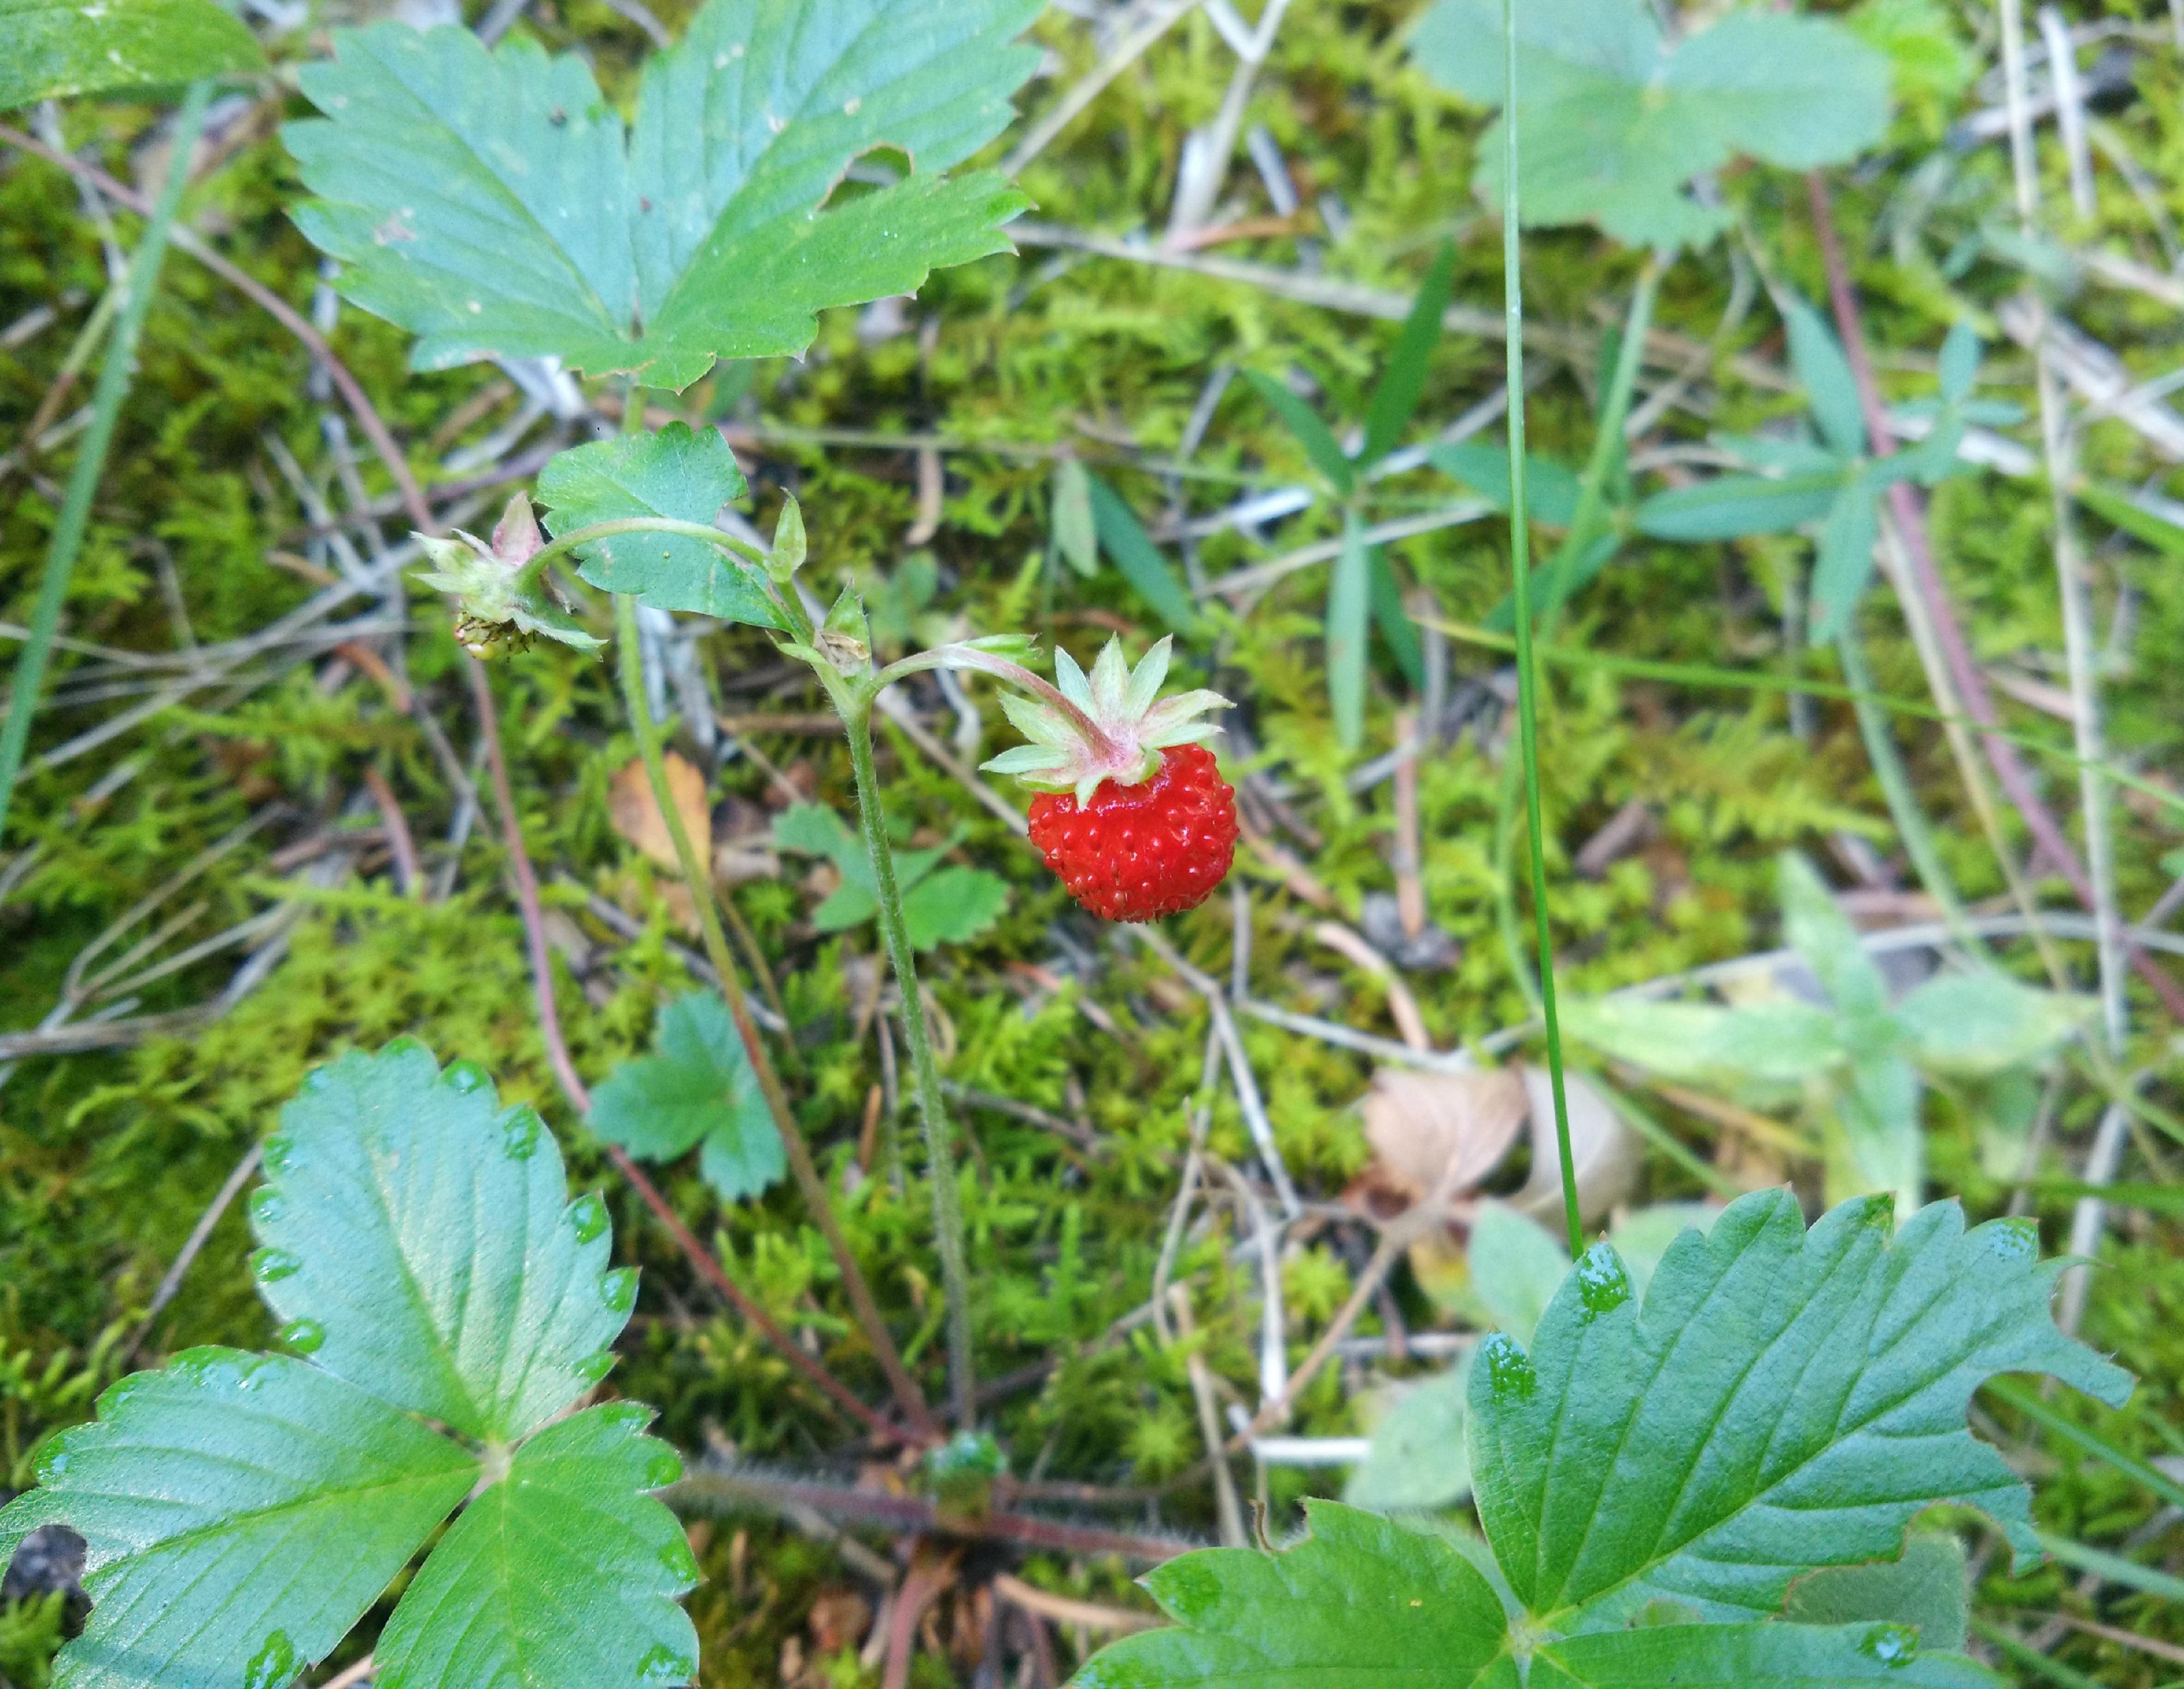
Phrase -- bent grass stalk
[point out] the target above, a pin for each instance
(138, 283)
(1520, 563)
(699, 883)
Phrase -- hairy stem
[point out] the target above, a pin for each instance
(699, 883)
(137, 285)
(947, 1200)
(1528, 720)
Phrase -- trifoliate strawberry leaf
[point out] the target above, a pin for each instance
(494, 203)
(696, 1088)
(240, 1514)
(562, 1575)
(1784, 1401)
(51, 49)
(420, 1242)
(1654, 1480)
(1362, 1601)
(675, 473)
(1615, 123)
(947, 907)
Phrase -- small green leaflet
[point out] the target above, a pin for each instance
(1616, 123)
(682, 476)
(1856, 1062)
(697, 1088)
(199, 1490)
(450, 1291)
(51, 49)
(1076, 538)
(1361, 1601)
(947, 906)
(242, 1512)
(1418, 1462)
(504, 1600)
(495, 202)
(1784, 1401)
(1830, 481)
(1349, 599)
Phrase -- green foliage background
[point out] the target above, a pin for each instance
(107, 1161)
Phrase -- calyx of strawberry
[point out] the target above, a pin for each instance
(498, 603)
(1112, 725)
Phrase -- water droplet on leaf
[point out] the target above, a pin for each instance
(404, 1045)
(588, 1216)
(304, 1336)
(519, 1133)
(663, 1469)
(676, 1560)
(267, 1206)
(594, 1368)
(269, 1266)
(1602, 1283)
(280, 1152)
(1893, 1645)
(2014, 1239)
(274, 1666)
(465, 1076)
(662, 1664)
(1509, 1375)
(618, 1289)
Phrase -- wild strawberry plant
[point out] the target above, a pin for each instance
(1663, 1481)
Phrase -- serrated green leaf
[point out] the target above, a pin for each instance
(1752, 1657)
(1402, 384)
(1615, 125)
(1738, 506)
(697, 1087)
(1975, 1025)
(1123, 537)
(1927, 1589)
(1318, 439)
(423, 1236)
(1784, 1401)
(563, 1575)
(1362, 1600)
(954, 905)
(492, 202)
(240, 1514)
(1349, 603)
(1845, 563)
(1418, 1462)
(675, 473)
(53, 49)
(1830, 389)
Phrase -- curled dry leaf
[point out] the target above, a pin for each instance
(1436, 1131)
(1605, 1152)
(636, 813)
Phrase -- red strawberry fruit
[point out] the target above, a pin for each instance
(1134, 814)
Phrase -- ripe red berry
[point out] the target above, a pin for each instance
(1135, 853)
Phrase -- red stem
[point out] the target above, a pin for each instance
(1964, 673)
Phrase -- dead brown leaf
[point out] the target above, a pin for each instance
(1437, 1132)
(636, 814)
(1604, 1152)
